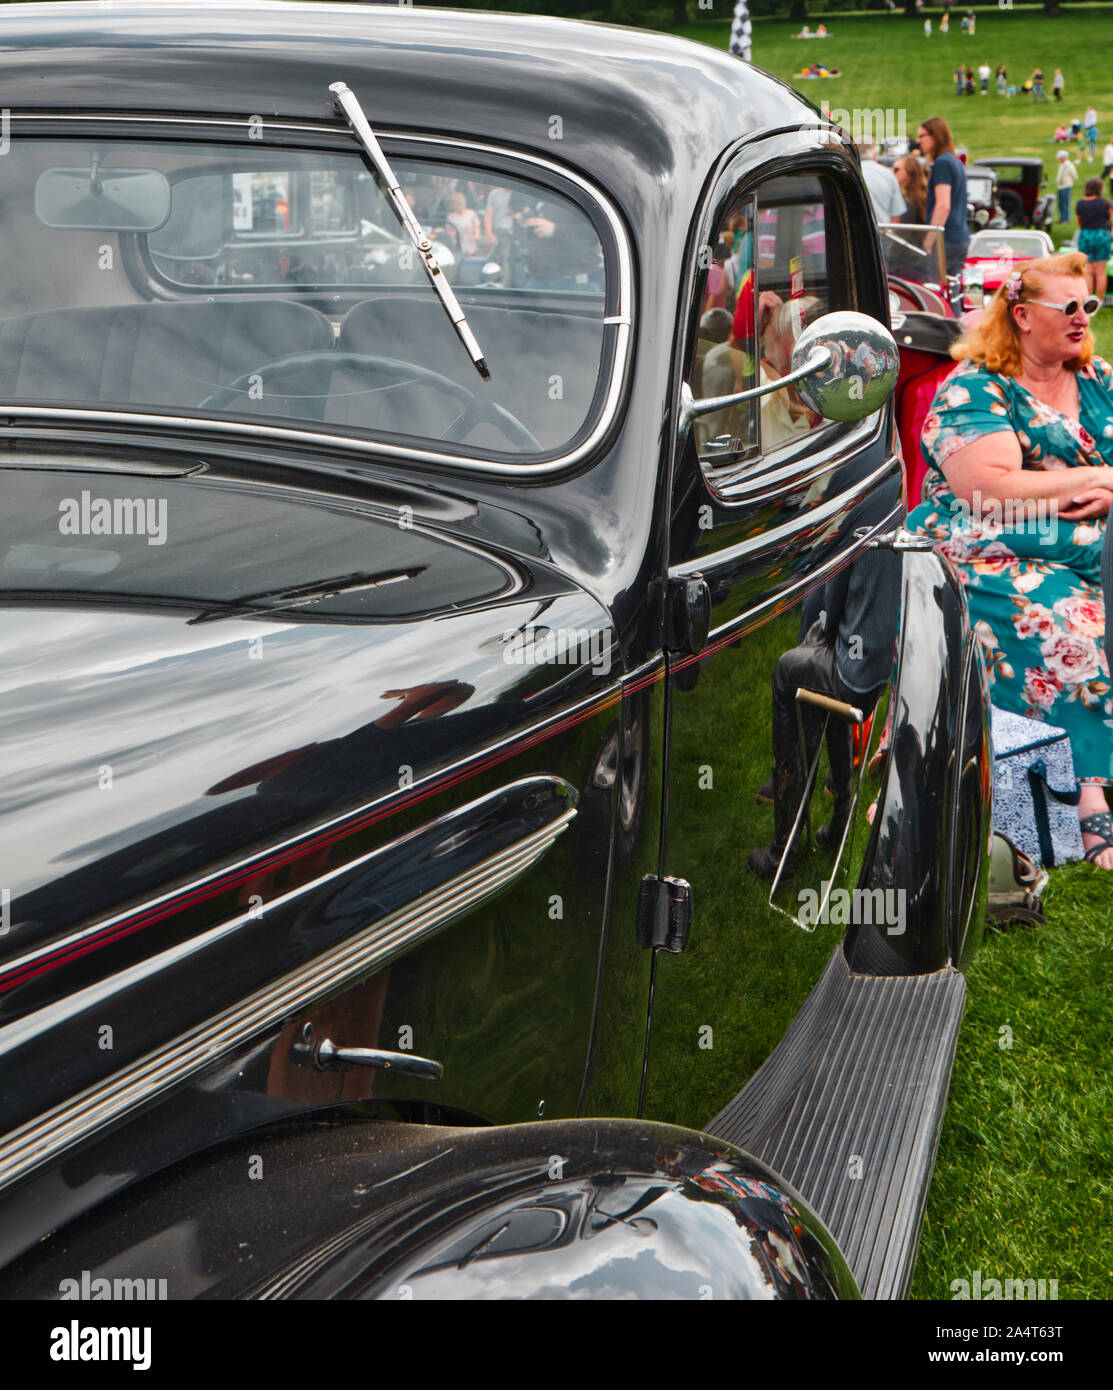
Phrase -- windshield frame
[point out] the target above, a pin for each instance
(617, 321)
(895, 231)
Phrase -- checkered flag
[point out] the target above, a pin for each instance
(741, 31)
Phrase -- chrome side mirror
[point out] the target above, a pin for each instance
(844, 367)
(860, 369)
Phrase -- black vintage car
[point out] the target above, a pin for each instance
(982, 206)
(1020, 183)
(389, 636)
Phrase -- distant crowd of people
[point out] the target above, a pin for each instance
(1032, 86)
(1082, 130)
(1093, 215)
(969, 20)
(539, 245)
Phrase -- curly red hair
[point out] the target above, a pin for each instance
(994, 341)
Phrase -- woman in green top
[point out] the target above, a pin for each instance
(1020, 480)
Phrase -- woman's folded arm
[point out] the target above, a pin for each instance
(991, 468)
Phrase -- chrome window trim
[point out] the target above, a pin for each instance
(737, 478)
(777, 537)
(622, 321)
(780, 470)
(106, 1102)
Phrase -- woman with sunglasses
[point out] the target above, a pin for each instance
(1020, 479)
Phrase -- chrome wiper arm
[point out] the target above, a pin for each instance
(349, 105)
(901, 241)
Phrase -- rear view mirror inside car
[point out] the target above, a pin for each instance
(101, 199)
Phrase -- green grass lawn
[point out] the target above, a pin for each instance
(1024, 1179)
(1025, 1169)
(885, 61)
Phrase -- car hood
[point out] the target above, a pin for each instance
(199, 667)
(998, 266)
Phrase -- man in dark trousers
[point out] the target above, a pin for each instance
(847, 653)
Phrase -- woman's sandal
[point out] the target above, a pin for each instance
(1101, 823)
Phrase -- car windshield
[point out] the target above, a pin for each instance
(914, 252)
(1007, 246)
(274, 287)
(1018, 173)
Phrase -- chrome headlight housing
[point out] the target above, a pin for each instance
(973, 284)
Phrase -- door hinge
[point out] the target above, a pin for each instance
(664, 914)
(687, 613)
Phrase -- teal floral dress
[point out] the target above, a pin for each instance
(1033, 580)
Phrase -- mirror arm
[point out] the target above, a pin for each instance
(819, 358)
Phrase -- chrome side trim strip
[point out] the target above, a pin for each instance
(745, 483)
(654, 665)
(236, 123)
(779, 536)
(771, 605)
(81, 1116)
(18, 963)
(622, 321)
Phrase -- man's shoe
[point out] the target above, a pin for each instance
(764, 793)
(765, 862)
(829, 836)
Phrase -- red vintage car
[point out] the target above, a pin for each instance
(994, 255)
(924, 327)
(915, 268)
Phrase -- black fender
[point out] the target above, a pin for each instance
(378, 1210)
(932, 830)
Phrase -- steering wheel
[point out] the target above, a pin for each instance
(476, 410)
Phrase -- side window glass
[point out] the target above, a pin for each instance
(726, 360)
(792, 286)
(768, 278)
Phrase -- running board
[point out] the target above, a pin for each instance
(848, 1109)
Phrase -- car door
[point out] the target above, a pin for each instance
(768, 502)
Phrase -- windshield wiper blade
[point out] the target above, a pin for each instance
(299, 595)
(348, 103)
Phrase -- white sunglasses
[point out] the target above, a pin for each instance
(1090, 305)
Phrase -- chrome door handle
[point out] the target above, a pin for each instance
(327, 1056)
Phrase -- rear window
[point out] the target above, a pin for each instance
(250, 283)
